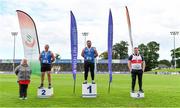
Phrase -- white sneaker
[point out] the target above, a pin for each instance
(21, 98)
(25, 98)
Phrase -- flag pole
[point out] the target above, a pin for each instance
(109, 88)
(74, 88)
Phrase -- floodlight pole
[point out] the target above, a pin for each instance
(85, 34)
(14, 34)
(174, 33)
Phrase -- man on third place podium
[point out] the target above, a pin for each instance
(89, 53)
(46, 58)
(136, 65)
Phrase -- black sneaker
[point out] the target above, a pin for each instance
(93, 82)
(141, 91)
(49, 87)
(85, 82)
(41, 86)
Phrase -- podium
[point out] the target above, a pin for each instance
(45, 92)
(89, 90)
(137, 95)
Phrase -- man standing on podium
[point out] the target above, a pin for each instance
(89, 54)
(46, 58)
(136, 65)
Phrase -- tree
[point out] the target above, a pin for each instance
(143, 50)
(57, 56)
(153, 46)
(165, 62)
(178, 63)
(104, 55)
(149, 52)
(177, 57)
(120, 51)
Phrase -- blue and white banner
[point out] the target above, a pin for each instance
(110, 43)
(74, 46)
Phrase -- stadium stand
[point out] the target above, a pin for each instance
(64, 65)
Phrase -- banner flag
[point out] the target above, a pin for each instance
(30, 40)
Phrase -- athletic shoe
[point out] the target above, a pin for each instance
(49, 87)
(132, 91)
(21, 98)
(41, 86)
(85, 82)
(141, 91)
(25, 98)
(93, 82)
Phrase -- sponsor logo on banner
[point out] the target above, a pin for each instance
(29, 41)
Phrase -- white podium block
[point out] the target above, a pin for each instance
(137, 95)
(45, 92)
(89, 90)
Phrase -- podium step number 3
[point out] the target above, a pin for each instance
(45, 92)
(89, 90)
(137, 95)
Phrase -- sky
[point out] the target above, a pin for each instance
(151, 20)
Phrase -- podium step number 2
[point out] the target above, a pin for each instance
(45, 92)
(89, 90)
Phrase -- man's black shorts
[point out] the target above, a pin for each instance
(45, 67)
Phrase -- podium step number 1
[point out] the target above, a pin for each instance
(45, 92)
(89, 90)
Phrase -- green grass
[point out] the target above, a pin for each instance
(166, 70)
(160, 91)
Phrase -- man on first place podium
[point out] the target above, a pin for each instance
(136, 65)
(89, 54)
